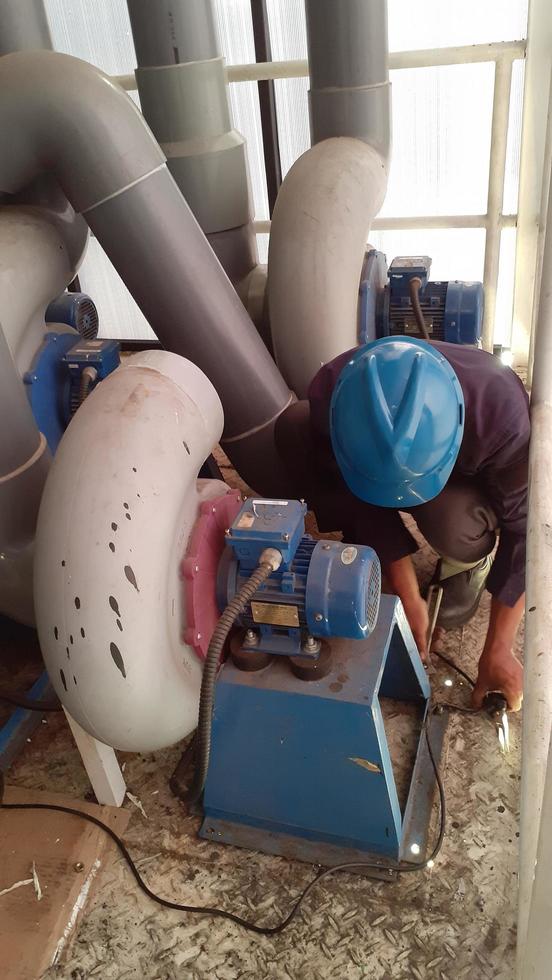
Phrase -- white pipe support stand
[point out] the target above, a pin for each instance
(318, 238)
(118, 508)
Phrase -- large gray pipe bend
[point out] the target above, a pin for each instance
(65, 116)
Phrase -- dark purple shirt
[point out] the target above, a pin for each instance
(494, 452)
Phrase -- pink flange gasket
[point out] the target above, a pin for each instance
(199, 568)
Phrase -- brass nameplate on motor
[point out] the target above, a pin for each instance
(274, 614)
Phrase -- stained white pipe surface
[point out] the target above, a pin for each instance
(117, 510)
(318, 240)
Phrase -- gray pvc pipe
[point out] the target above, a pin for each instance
(19, 436)
(169, 267)
(23, 26)
(65, 116)
(183, 91)
(348, 55)
(169, 33)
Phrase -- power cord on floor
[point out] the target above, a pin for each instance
(401, 867)
(454, 666)
(463, 709)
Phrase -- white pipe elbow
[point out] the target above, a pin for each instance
(317, 244)
(117, 510)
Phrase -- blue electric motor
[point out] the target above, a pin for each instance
(54, 383)
(76, 310)
(453, 310)
(322, 588)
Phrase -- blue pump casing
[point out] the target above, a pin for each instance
(453, 310)
(322, 588)
(77, 310)
(54, 379)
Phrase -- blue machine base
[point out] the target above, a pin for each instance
(302, 768)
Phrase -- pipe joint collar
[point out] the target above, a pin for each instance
(362, 112)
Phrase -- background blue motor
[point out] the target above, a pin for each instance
(76, 310)
(322, 589)
(453, 310)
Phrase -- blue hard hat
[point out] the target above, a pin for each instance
(396, 422)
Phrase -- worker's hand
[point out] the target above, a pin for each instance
(418, 620)
(499, 670)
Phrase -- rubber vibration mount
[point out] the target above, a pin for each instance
(308, 669)
(247, 660)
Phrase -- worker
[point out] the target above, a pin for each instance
(441, 432)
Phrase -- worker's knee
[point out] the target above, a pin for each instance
(459, 523)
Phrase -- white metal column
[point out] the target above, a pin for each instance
(536, 110)
(537, 682)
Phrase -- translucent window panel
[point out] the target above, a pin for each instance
(441, 140)
(456, 253)
(97, 32)
(447, 23)
(513, 148)
(441, 137)
(235, 31)
(119, 314)
(288, 30)
(262, 248)
(292, 110)
(244, 99)
(505, 289)
(425, 24)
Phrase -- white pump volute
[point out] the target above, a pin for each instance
(120, 501)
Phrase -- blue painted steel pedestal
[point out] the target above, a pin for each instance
(303, 769)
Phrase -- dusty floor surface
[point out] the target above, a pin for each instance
(455, 921)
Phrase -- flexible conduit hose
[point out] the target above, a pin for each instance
(271, 560)
(414, 287)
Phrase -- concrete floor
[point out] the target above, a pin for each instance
(457, 920)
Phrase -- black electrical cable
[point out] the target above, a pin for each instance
(414, 286)
(22, 701)
(453, 666)
(222, 913)
(203, 737)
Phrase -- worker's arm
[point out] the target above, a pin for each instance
(499, 668)
(403, 582)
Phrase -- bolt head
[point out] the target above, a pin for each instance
(319, 617)
(285, 537)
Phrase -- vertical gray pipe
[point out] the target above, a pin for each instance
(348, 55)
(23, 26)
(170, 32)
(19, 436)
(181, 80)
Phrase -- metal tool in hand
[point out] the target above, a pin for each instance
(434, 596)
(496, 706)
